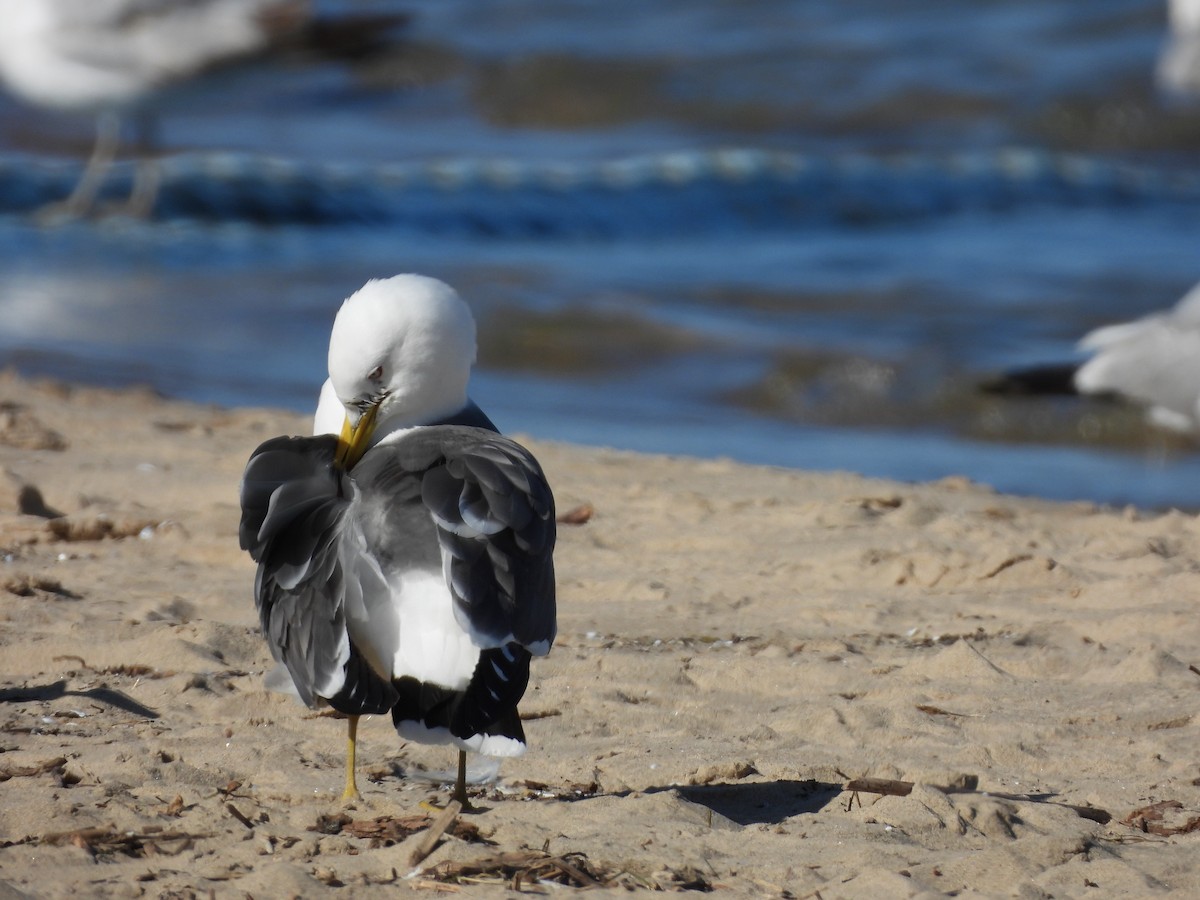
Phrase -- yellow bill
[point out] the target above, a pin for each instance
(354, 439)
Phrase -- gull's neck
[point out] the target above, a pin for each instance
(402, 420)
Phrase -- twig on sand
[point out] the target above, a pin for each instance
(133, 670)
(109, 840)
(518, 867)
(41, 768)
(880, 786)
(535, 714)
(930, 710)
(436, 830)
(522, 870)
(239, 815)
(904, 788)
(1006, 564)
(1149, 819)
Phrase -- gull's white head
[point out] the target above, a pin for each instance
(401, 348)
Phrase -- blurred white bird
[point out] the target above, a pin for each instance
(1154, 360)
(1178, 71)
(122, 57)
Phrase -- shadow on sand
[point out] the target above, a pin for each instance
(106, 695)
(762, 802)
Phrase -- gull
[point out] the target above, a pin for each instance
(125, 57)
(1153, 361)
(405, 564)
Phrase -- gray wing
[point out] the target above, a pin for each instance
(495, 518)
(292, 524)
(493, 514)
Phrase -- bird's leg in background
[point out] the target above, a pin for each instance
(351, 792)
(147, 175)
(108, 136)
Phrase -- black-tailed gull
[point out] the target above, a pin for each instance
(405, 565)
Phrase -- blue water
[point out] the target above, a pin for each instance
(841, 322)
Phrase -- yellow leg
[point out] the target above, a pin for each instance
(351, 792)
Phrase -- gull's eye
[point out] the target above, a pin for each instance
(376, 374)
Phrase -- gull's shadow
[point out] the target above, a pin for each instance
(42, 692)
(760, 802)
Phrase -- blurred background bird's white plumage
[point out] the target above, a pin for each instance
(136, 59)
(113, 54)
(1153, 361)
(1178, 68)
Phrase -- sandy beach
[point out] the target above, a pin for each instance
(736, 645)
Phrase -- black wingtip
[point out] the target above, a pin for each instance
(363, 692)
(1056, 379)
(488, 706)
(354, 38)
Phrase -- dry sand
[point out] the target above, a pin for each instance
(735, 644)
